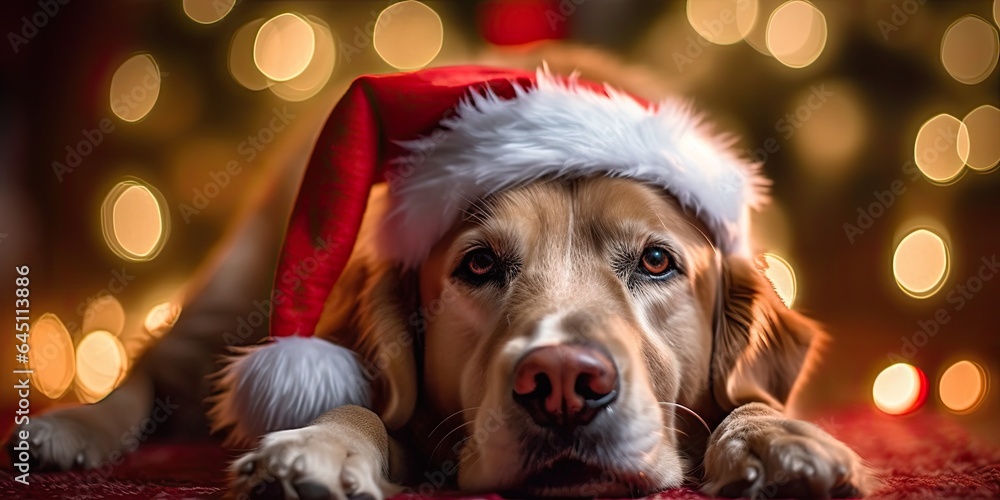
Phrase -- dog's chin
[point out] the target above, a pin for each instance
(568, 477)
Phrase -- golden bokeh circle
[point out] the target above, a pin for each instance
(981, 130)
(969, 49)
(135, 221)
(963, 387)
(135, 87)
(208, 11)
(722, 22)
(899, 389)
(796, 33)
(284, 46)
(51, 356)
(104, 313)
(408, 35)
(101, 365)
(779, 272)
(941, 148)
(920, 263)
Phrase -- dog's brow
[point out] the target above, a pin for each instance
(480, 211)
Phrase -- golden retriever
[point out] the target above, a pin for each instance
(566, 337)
(544, 348)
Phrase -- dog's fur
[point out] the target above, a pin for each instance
(710, 345)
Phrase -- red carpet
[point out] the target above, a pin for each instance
(922, 456)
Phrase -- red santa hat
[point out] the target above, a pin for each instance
(443, 138)
(446, 137)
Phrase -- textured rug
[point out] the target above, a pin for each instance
(920, 456)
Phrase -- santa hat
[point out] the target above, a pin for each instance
(444, 138)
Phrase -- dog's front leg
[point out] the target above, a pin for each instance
(758, 452)
(345, 453)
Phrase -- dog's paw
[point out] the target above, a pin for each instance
(61, 441)
(311, 463)
(758, 453)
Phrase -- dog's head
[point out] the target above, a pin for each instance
(559, 324)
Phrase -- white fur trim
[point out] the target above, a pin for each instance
(285, 384)
(559, 128)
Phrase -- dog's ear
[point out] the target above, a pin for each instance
(762, 347)
(367, 312)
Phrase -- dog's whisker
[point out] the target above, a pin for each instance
(459, 427)
(689, 410)
(445, 419)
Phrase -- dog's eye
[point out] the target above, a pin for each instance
(480, 262)
(479, 266)
(656, 262)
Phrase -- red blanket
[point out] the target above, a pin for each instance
(921, 456)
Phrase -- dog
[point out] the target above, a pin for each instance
(564, 337)
(563, 325)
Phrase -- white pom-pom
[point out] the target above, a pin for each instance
(285, 384)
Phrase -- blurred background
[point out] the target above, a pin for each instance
(134, 133)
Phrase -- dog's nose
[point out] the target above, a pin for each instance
(565, 385)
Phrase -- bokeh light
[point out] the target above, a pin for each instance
(317, 73)
(722, 22)
(941, 148)
(753, 22)
(408, 35)
(782, 277)
(963, 387)
(208, 11)
(920, 263)
(51, 356)
(899, 389)
(969, 50)
(135, 87)
(161, 318)
(284, 46)
(134, 221)
(796, 33)
(104, 313)
(101, 364)
(981, 130)
(241, 63)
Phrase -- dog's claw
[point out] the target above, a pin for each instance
(308, 490)
(248, 467)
